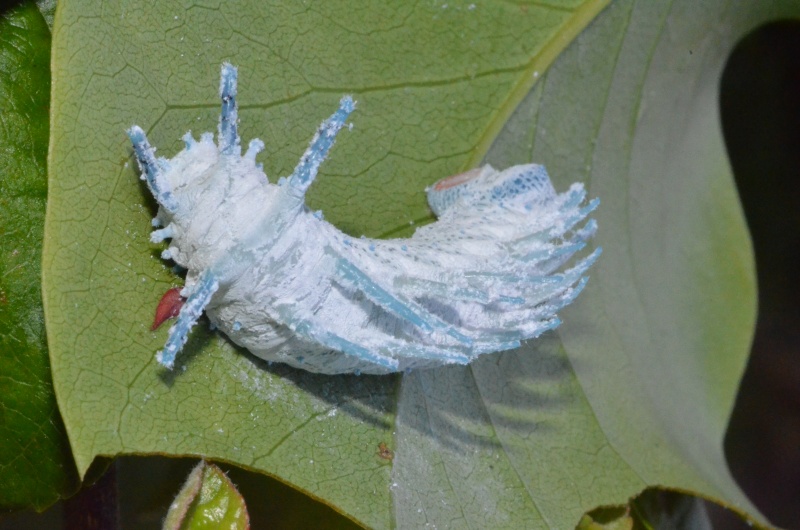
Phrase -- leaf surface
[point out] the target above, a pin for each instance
(634, 390)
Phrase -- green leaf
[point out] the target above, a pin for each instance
(208, 499)
(633, 391)
(48, 10)
(35, 462)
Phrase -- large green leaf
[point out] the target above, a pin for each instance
(35, 462)
(634, 390)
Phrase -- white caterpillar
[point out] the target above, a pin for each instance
(291, 288)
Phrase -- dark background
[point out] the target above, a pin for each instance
(760, 103)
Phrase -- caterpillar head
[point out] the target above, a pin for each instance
(212, 199)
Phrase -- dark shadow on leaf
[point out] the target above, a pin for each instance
(461, 406)
(368, 398)
(509, 393)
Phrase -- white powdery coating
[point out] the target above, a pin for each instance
(292, 288)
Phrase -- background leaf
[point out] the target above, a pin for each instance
(633, 391)
(35, 462)
(208, 499)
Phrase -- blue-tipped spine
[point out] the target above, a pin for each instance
(194, 306)
(152, 169)
(306, 170)
(228, 141)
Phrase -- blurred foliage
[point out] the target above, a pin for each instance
(36, 465)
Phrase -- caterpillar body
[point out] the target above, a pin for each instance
(287, 285)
